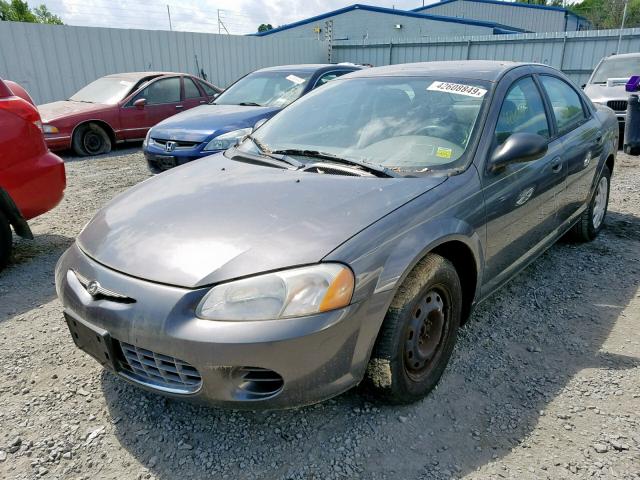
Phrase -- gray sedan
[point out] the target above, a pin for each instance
(345, 240)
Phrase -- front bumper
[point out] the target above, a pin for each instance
(316, 357)
(57, 142)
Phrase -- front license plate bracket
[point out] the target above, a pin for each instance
(92, 340)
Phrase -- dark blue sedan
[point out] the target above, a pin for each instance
(215, 127)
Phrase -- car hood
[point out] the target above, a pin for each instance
(218, 219)
(602, 93)
(200, 123)
(56, 110)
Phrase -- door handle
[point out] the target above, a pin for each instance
(556, 165)
(179, 106)
(202, 102)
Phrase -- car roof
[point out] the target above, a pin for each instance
(134, 76)
(466, 69)
(309, 68)
(625, 55)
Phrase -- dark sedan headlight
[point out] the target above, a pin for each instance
(289, 293)
(227, 140)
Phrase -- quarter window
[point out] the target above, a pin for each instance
(166, 90)
(327, 77)
(567, 107)
(209, 90)
(190, 89)
(522, 111)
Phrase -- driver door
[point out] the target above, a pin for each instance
(163, 99)
(521, 199)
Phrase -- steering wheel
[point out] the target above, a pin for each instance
(435, 131)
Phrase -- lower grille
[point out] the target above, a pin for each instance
(159, 371)
(617, 105)
(258, 383)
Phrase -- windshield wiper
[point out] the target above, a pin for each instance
(369, 167)
(265, 151)
(249, 104)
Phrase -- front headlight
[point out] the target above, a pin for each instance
(289, 293)
(227, 140)
(46, 128)
(146, 139)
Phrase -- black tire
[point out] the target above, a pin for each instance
(585, 229)
(410, 355)
(91, 139)
(6, 241)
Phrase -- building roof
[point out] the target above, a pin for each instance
(490, 70)
(500, 2)
(403, 13)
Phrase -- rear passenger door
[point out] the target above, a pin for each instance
(192, 94)
(521, 198)
(582, 142)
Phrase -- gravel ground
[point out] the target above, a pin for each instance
(544, 383)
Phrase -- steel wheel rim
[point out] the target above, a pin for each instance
(426, 333)
(600, 202)
(92, 142)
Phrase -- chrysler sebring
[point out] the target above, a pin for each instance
(345, 240)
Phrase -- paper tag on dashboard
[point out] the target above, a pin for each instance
(295, 79)
(457, 88)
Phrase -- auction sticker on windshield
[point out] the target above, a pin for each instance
(295, 79)
(457, 88)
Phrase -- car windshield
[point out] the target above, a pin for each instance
(107, 90)
(265, 89)
(621, 67)
(414, 124)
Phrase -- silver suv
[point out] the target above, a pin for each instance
(607, 83)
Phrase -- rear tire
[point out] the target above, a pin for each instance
(91, 139)
(418, 334)
(6, 241)
(592, 219)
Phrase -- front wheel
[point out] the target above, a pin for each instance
(91, 139)
(592, 220)
(418, 334)
(6, 241)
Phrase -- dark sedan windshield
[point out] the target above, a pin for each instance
(621, 67)
(401, 123)
(265, 89)
(107, 90)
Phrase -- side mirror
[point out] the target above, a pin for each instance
(259, 123)
(518, 148)
(140, 103)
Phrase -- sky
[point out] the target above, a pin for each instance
(238, 16)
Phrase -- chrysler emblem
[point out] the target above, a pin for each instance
(170, 146)
(93, 288)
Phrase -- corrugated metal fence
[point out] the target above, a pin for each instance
(575, 53)
(52, 62)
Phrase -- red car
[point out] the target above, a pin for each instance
(32, 179)
(120, 107)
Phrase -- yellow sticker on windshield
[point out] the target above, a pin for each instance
(444, 152)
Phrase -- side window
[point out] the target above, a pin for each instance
(522, 111)
(166, 90)
(208, 89)
(567, 107)
(190, 89)
(327, 77)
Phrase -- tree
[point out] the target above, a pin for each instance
(264, 27)
(608, 13)
(19, 11)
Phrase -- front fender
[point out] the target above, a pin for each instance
(383, 254)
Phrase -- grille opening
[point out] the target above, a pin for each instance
(179, 144)
(255, 383)
(156, 370)
(618, 105)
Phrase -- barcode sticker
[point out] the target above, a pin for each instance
(295, 79)
(457, 88)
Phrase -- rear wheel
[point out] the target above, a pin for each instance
(6, 241)
(418, 333)
(592, 220)
(91, 139)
